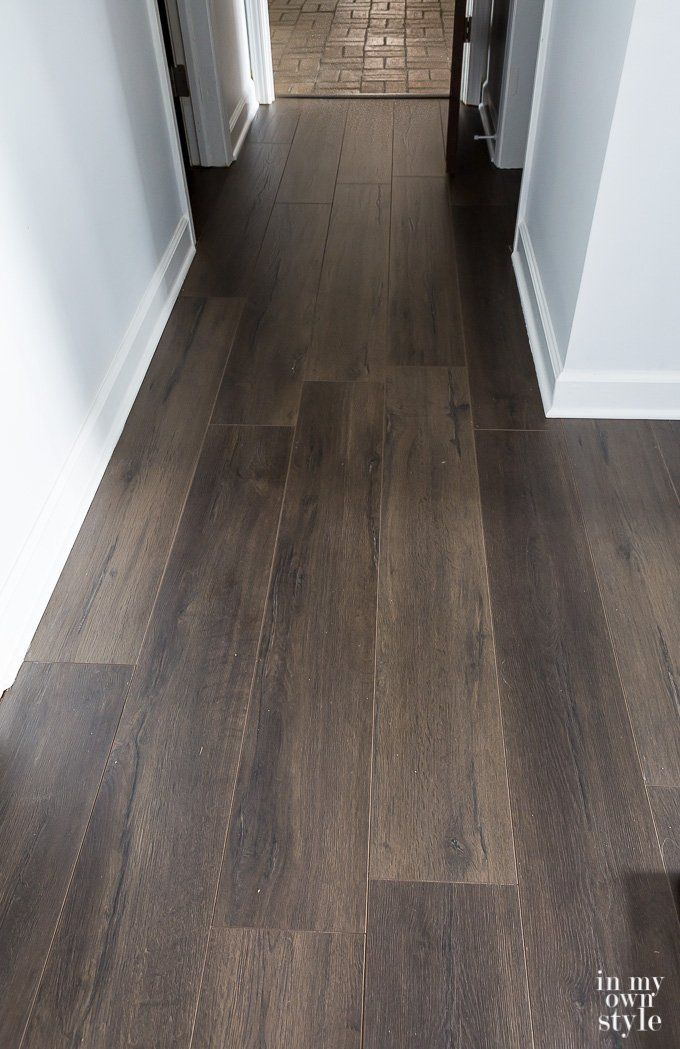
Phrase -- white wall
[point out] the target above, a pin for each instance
(597, 256)
(95, 240)
(584, 52)
(628, 314)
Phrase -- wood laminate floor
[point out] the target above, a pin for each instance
(354, 718)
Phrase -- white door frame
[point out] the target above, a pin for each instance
(195, 18)
(477, 59)
(219, 139)
(260, 46)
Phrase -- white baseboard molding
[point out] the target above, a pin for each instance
(570, 394)
(242, 118)
(616, 395)
(547, 358)
(25, 594)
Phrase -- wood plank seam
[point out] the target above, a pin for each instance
(505, 757)
(80, 847)
(375, 673)
(570, 473)
(243, 732)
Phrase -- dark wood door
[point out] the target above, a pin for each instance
(454, 91)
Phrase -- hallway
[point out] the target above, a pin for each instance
(354, 717)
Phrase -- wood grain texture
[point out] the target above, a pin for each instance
(587, 856)
(424, 304)
(633, 524)
(440, 809)
(100, 607)
(418, 141)
(56, 727)
(232, 236)
(445, 968)
(126, 961)
(276, 123)
(297, 848)
(263, 378)
(279, 990)
(667, 436)
(367, 146)
(312, 166)
(665, 802)
(503, 383)
(349, 339)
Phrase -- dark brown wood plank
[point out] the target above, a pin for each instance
(232, 232)
(444, 968)
(587, 855)
(126, 962)
(503, 383)
(56, 727)
(349, 340)
(312, 167)
(667, 436)
(665, 802)
(367, 146)
(280, 989)
(100, 607)
(418, 142)
(633, 524)
(263, 378)
(476, 180)
(276, 123)
(440, 808)
(424, 305)
(297, 848)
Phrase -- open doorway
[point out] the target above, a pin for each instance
(381, 48)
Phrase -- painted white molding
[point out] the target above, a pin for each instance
(34, 575)
(242, 118)
(616, 395)
(544, 348)
(260, 46)
(568, 393)
(169, 108)
(204, 84)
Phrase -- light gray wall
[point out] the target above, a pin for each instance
(585, 53)
(628, 312)
(91, 196)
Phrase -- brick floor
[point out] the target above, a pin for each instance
(359, 47)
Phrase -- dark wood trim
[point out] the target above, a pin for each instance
(454, 91)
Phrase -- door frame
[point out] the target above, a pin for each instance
(260, 47)
(455, 89)
(213, 138)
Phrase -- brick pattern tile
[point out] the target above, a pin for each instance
(355, 47)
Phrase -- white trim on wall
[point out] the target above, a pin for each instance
(544, 348)
(616, 395)
(204, 85)
(569, 393)
(260, 47)
(34, 574)
(242, 118)
(169, 108)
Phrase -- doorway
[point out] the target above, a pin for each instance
(383, 48)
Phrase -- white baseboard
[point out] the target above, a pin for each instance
(616, 395)
(547, 358)
(570, 394)
(242, 118)
(25, 594)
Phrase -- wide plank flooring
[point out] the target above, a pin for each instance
(144, 886)
(353, 720)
